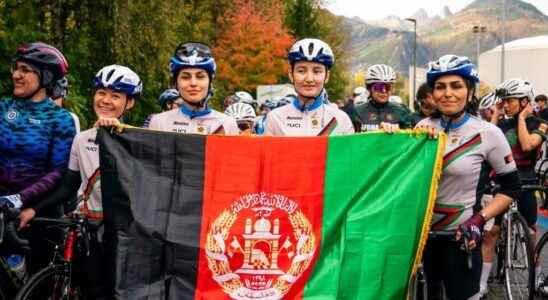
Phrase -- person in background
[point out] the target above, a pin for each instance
(59, 97)
(424, 104)
(542, 109)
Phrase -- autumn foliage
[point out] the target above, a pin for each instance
(252, 46)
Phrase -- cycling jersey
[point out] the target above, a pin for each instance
(35, 139)
(525, 161)
(315, 119)
(84, 158)
(368, 116)
(212, 122)
(470, 143)
(416, 117)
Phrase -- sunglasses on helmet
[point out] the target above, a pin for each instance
(193, 48)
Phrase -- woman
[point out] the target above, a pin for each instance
(35, 138)
(472, 145)
(193, 71)
(116, 90)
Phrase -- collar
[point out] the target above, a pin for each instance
(194, 113)
(318, 101)
(455, 125)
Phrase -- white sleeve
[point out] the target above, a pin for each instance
(498, 152)
(345, 123)
(76, 122)
(74, 159)
(154, 123)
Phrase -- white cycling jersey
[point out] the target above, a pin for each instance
(470, 143)
(84, 158)
(212, 123)
(313, 120)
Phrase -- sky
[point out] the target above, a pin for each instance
(379, 9)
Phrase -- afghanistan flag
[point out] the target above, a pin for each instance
(246, 218)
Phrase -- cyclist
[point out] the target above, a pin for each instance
(308, 114)
(541, 103)
(168, 100)
(266, 107)
(193, 71)
(244, 114)
(379, 112)
(472, 145)
(116, 90)
(425, 105)
(59, 97)
(486, 106)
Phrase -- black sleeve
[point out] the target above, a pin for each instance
(510, 184)
(70, 183)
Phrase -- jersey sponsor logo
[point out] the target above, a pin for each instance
(294, 125)
(369, 127)
(179, 130)
(294, 118)
(259, 246)
(92, 148)
(11, 114)
(180, 123)
(35, 121)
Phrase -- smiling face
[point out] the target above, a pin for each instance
(26, 81)
(308, 78)
(110, 104)
(450, 94)
(193, 84)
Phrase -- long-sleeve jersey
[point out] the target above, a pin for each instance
(35, 141)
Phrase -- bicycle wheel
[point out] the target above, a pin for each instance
(519, 263)
(51, 283)
(541, 250)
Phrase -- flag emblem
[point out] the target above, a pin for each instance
(259, 246)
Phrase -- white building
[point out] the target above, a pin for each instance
(524, 58)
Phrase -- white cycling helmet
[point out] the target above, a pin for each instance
(120, 79)
(243, 97)
(241, 112)
(516, 88)
(488, 101)
(313, 50)
(359, 91)
(380, 73)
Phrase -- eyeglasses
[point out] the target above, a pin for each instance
(192, 48)
(381, 87)
(22, 69)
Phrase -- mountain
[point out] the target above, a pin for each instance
(391, 40)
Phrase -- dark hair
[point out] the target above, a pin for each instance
(423, 91)
(541, 97)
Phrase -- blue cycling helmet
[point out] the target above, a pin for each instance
(313, 50)
(167, 96)
(271, 103)
(452, 65)
(120, 79)
(193, 55)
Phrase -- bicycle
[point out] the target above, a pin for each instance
(418, 284)
(10, 282)
(60, 279)
(515, 264)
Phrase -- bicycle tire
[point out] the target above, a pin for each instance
(519, 247)
(36, 285)
(541, 245)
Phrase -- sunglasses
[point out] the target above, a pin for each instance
(193, 48)
(381, 87)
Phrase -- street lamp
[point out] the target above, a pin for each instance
(503, 50)
(478, 30)
(412, 97)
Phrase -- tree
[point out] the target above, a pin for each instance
(251, 48)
